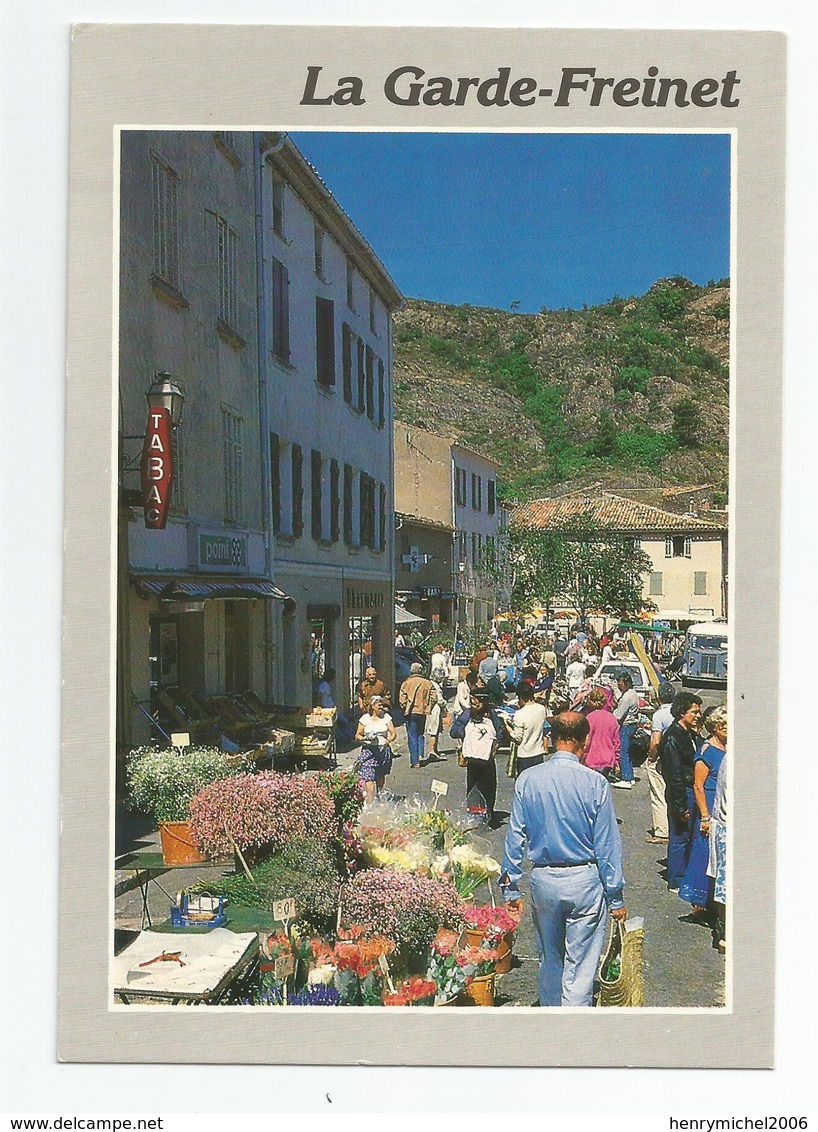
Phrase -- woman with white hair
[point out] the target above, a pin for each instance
(697, 888)
(376, 734)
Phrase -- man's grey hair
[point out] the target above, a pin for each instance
(416, 669)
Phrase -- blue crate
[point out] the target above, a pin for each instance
(180, 916)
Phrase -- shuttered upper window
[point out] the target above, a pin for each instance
(325, 341)
(346, 358)
(165, 190)
(281, 311)
(232, 458)
(228, 249)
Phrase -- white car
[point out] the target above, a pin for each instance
(608, 673)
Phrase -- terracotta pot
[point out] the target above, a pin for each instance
(178, 844)
(479, 992)
(504, 954)
(472, 937)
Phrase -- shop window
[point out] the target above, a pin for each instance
(325, 341)
(361, 656)
(281, 311)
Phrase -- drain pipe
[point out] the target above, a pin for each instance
(261, 152)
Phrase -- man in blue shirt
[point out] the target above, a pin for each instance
(565, 814)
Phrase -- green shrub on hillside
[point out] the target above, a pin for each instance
(643, 445)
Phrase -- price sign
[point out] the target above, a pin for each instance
(384, 966)
(180, 739)
(439, 787)
(284, 967)
(284, 910)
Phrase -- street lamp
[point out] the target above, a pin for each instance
(165, 393)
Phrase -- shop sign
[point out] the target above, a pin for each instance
(222, 552)
(447, 596)
(363, 599)
(157, 469)
(430, 591)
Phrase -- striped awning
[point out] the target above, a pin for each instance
(201, 589)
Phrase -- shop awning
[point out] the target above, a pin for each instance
(404, 617)
(195, 589)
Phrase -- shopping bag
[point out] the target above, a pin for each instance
(619, 978)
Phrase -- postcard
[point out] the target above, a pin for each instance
(416, 461)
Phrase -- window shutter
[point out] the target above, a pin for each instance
(361, 377)
(275, 480)
(381, 394)
(335, 498)
(668, 547)
(492, 497)
(346, 349)
(382, 531)
(281, 311)
(315, 493)
(370, 383)
(325, 341)
(298, 490)
(348, 504)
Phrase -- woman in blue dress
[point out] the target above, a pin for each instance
(697, 886)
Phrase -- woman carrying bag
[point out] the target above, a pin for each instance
(376, 733)
(480, 731)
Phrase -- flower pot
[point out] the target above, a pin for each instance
(479, 992)
(473, 937)
(449, 1001)
(178, 845)
(504, 955)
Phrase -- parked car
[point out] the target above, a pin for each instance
(608, 673)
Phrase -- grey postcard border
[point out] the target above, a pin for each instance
(120, 75)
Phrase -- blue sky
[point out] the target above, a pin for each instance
(549, 220)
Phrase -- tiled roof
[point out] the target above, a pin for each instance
(423, 521)
(609, 511)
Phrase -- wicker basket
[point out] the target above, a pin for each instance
(628, 988)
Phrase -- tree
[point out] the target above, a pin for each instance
(584, 566)
(686, 423)
(604, 443)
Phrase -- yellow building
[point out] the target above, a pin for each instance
(688, 553)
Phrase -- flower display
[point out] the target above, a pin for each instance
(321, 976)
(317, 995)
(404, 907)
(417, 990)
(470, 869)
(262, 810)
(476, 962)
(493, 922)
(164, 782)
(415, 858)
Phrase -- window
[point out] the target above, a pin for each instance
(281, 311)
(315, 493)
(325, 342)
(275, 480)
(372, 322)
(361, 377)
(678, 546)
(298, 490)
(350, 286)
(228, 274)
(278, 205)
(346, 360)
(334, 500)
(226, 141)
(491, 488)
(318, 239)
(700, 582)
(233, 471)
(462, 547)
(460, 486)
(165, 186)
(367, 510)
(349, 476)
(656, 583)
(381, 393)
(476, 492)
(382, 517)
(475, 552)
(370, 383)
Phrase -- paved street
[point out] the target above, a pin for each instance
(681, 967)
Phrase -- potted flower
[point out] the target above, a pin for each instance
(417, 990)
(163, 783)
(444, 970)
(493, 927)
(470, 869)
(478, 964)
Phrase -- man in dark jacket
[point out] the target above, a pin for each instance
(677, 750)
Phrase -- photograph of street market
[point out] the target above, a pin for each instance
(422, 637)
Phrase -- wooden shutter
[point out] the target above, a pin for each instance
(361, 377)
(275, 480)
(382, 517)
(348, 476)
(281, 311)
(335, 498)
(298, 490)
(325, 341)
(370, 383)
(346, 351)
(381, 393)
(315, 493)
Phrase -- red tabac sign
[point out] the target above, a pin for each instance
(157, 469)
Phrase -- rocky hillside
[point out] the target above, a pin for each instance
(635, 391)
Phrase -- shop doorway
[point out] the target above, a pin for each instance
(236, 646)
(361, 656)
